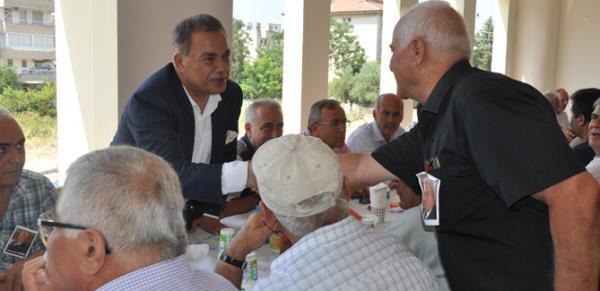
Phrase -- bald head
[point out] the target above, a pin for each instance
(439, 25)
(563, 98)
(388, 114)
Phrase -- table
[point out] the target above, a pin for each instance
(264, 255)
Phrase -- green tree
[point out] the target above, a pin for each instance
(482, 46)
(264, 77)
(42, 100)
(361, 88)
(365, 86)
(8, 78)
(344, 48)
(240, 53)
(339, 88)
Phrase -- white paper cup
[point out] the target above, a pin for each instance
(378, 195)
(379, 212)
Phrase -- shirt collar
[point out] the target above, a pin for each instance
(449, 78)
(376, 132)
(211, 105)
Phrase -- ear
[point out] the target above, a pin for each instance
(93, 246)
(313, 128)
(248, 129)
(418, 49)
(374, 113)
(269, 218)
(178, 61)
(580, 120)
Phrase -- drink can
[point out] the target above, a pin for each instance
(225, 238)
(251, 267)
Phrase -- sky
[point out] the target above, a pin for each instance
(271, 11)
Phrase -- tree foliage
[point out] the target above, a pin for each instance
(362, 88)
(365, 87)
(263, 78)
(8, 78)
(344, 48)
(482, 46)
(240, 52)
(41, 100)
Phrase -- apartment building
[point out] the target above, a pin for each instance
(27, 41)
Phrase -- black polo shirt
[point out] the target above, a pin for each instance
(497, 142)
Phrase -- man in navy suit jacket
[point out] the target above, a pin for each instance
(187, 113)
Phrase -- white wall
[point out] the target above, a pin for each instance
(578, 61)
(367, 28)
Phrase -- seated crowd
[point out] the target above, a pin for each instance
(176, 165)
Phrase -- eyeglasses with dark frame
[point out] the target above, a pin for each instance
(47, 226)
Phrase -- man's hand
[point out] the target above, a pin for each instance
(251, 179)
(34, 275)
(570, 135)
(251, 237)
(208, 224)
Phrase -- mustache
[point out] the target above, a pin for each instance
(390, 125)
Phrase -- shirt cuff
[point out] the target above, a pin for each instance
(233, 176)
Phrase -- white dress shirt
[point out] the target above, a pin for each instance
(233, 174)
(367, 138)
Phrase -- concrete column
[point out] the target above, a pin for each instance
(305, 59)
(391, 14)
(104, 50)
(533, 52)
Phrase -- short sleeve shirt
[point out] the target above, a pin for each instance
(497, 142)
(32, 196)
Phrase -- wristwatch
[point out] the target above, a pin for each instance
(232, 261)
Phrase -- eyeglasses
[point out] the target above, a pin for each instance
(335, 122)
(47, 225)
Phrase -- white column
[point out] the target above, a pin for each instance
(533, 48)
(104, 50)
(305, 59)
(387, 83)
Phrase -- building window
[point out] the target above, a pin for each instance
(30, 41)
(23, 16)
(37, 17)
(347, 19)
(23, 63)
(9, 62)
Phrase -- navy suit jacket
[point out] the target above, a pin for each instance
(159, 118)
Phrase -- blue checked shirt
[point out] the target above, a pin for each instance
(172, 274)
(32, 196)
(347, 256)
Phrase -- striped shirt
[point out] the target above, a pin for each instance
(172, 274)
(32, 196)
(347, 256)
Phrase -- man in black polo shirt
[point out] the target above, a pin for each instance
(517, 211)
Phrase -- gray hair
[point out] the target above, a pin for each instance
(182, 33)
(252, 110)
(314, 114)
(596, 103)
(132, 196)
(552, 96)
(5, 114)
(301, 226)
(439, 25)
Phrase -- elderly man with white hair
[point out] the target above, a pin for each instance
(517, 210)
(300, 183)
(118, 226)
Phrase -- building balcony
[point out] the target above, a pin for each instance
(37, 75)
(40, 5)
